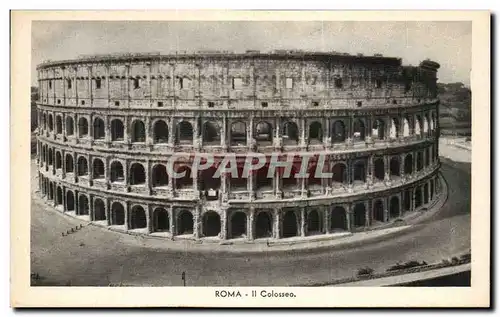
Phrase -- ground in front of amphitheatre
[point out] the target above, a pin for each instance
(94, 256)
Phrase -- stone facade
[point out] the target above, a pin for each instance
(109, 124)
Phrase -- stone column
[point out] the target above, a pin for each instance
(368, 212)
(91, 95)
(250, 131)
(326, 214)
(197, 222)
(387, 176)
(349, 216)
(224, 224)
(302, 221)
(172, 221)
(223, 135)
(302, 140)
(127, 216)
(386, 209)
(107, 83)
(128, 84)
(149, 220)
(277, 223)
(171, 131)
(196, 132)
(402, 166)
(413, 192)
(250, 223)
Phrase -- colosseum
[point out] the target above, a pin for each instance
(109, 124)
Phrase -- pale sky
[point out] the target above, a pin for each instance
(448, 43)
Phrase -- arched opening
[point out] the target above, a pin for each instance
(426, 193)
(160, 176)
(83, 205)
(238, 133)
(117, 172)
(98, 168)
(238, 183)
(432, 189)
(408, 164)
(315, 133)
(70, 201)
(58, 160)
(263, 225)
(289, 181)
(394, 207)
(58, 125)
(378, 129)
(407, 200)
(418, 125)
(70, 129)
(161, 221)
(338, 132)
(51, 191)
(394, 166)
(184, 132)
(185, 223)
(51, 123)
(263, 182)
(51, 157)
(99, 210)
(379, 168)
(137, 174)
(210, 183)
(338, 219)
(420, 164)
(290, 133)
(83, 127)
(314, 182)
(160, 132)
(418, 197)
(117, 130)
(186, 181)
(117, 214)
(59, 196)
(339, 172)
(313, 222)
(359, 215)
(264, 133)
(238, 224)
(358, 130)
(211, 133)
(378, 211)
(289, 224)
(359, 171)
(138, 218)
(406, 127)
(211, 224)
(138, 131)
(99, 130)
(427, 156)
(83, 168)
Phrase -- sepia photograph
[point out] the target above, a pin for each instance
(256, 158)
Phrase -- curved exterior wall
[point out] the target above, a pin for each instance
(109, 124)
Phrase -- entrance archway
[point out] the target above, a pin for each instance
(378, 211)
(394, 207)
(418, 197)
(338, 219)
(426, 193)
(83, 205)
(59, 196)
(211, 224)
(185, 223)
(161, 221)
(99, 210)
(359, 215)
(70, 201)
(117, 214)
(138, 218)
(313, 222)
(289, 224)
(264, 225)
(238, 224)
(394, 166)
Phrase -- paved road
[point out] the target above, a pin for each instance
(95, 257)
